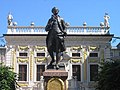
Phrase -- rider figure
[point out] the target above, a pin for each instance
(56, 32)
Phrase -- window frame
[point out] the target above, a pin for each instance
(39, 73)
(111, 54)
(26, 52)
(94, 56)
(90, 71)
(80, 73)
(26, 72)
(41, 54)
(73, 54)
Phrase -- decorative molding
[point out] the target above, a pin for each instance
(23, 84)
(76, 48)
(23, 48)
(23, 60)
(75, 60)
(32, 52)
(42, 48)
(14, 59)
(85, 63)
(40, 59)
(31, 65)
(92, 48)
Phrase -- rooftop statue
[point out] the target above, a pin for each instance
(10, 19)
(106, 20)
(56, 29)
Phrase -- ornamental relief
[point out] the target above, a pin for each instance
(23, 48)
(76, 48)
(40, 48)
(93, 48)
(76, 60)
(38, 60)
(23, 84)
(23, 60)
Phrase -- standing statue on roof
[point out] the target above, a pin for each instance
(106, 18)
(56, 29)
(10, 19)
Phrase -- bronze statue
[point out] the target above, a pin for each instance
(55, 39)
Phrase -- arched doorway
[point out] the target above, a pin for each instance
(55, 84)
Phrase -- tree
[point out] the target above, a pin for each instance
(7, 78)
(109, 76)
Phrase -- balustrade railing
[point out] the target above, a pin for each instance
(70, 30)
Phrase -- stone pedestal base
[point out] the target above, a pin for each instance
(55, 79)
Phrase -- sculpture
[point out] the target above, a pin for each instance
(56, 29)
(10, 19)
(106, 18)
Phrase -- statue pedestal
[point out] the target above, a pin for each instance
(55, 79)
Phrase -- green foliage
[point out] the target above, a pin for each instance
(109, 76)
(7, 78)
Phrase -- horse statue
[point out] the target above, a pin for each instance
(56, 29)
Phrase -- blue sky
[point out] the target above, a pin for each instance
(73, 11)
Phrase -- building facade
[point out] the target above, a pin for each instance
(2, 54)
(115, 52)
(86, 47)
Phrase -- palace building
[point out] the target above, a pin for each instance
(86, 47)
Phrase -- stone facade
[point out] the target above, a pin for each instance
(86, 47)
(27, 53)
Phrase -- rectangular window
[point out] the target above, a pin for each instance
(111, 54)
(23, 54)
(40, 70)
(2, 55)
(40, 54)
(22, 72)
(93, 54)
(75, 54)
(76, 71)
(93, 72)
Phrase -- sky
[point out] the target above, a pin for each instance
(74, 12)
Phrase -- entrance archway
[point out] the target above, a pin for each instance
(55, 84)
